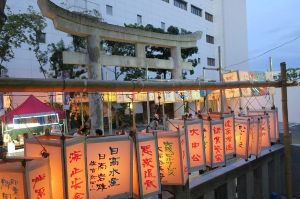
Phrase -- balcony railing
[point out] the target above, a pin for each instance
(259, 177)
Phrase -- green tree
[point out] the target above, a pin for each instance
(19, 29)
(124, 49)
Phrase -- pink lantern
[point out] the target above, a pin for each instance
(67, 163)
(229, 132)
(109, 167)
(193, 129)
(214, 140)
(265, 132)
(273, 122)
(25, 178)
(251, 139)
(147, 166)
(172, 158)
(242, 134)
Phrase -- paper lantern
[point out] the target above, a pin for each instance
(109, 167)
(228, 77)
(147, 166)
(193, 129)
(64, 170)
(273, 122)
(265, 132)
(255, 136)
(214, 140)
(172, 158)
(25, 178)
(251, 138)
(229, 132)
(242, 134)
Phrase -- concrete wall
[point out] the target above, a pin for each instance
(296, 169)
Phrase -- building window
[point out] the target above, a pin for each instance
(209, 17)
(180, 4)
(166, 1)
(139, 19)
(211, 61)
(163, 25)
(210, 39)
(195, 10)
(109, 10)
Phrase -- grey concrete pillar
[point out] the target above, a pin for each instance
(265, 180)
(177, 74)
(250, 185)
(231, 188)
(209, 195)
(95, 72)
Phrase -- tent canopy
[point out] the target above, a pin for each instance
(31, 105)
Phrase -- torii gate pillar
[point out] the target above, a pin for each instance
(95, 72)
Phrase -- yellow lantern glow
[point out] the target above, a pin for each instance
(61, 164)
(147, 165)
(214, 140)
(34, 178)
(172, 158)
(109, 167)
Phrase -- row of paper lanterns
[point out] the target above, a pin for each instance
(117, 166)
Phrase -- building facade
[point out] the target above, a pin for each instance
(223, 23)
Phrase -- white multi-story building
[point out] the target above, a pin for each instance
(223, 23)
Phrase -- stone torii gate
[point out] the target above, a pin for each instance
(95, 31)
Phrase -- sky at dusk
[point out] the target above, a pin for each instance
(270, 24)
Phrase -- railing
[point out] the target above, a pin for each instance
(259, 177)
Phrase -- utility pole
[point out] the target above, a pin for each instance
(221, 80)
(287, 139)
(271, 69)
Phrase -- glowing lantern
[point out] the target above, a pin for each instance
(193, 129)
(265, 132)
(242, 133)
(109, 167)
(255, 136)
(172, 158)
(147, 165)
(273, 122)
(67, 163)
(17, 181)
(229, 132)
(248, 136)
(214, 142)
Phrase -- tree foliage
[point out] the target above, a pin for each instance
(19, 29)
(124, 49)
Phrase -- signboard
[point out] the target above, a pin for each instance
(228, 77)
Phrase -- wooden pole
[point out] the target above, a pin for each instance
(285, 120)
(84, 85)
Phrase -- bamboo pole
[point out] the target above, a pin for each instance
(285, 120)
(71, 85)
